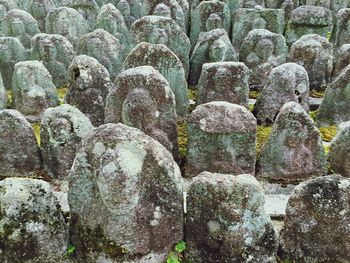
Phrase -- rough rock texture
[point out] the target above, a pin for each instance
(221, 138)
(335, 107)
(287, 82)
(143, 99)
(342, 35)
(339, 155)
(5, 6)
(3, 95)
(32, 227)
(89, 85)
(309, 19)
(316, 227)
(224, 81)
(39, 10)
(341, 60)
(261, 51)
(105, 48)
(177, 10)
(19, 150)
(125, 195)
(33, 90)
(20, 24)
(315, 54)
(209, 15)
(62, 129)
(212, 46)
(131, 10)
(226, 221)
(168, 64)
(294, 151)
(89, 9)
(56, 53)
(247, 19)
(67, 22)
(11, 52)
(163, 30)
(112, 20)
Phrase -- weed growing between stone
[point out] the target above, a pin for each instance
(177, 255)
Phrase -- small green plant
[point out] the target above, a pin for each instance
(70, 250)
(61, 93)
(177, 256)
(329, 35)
(253, 94)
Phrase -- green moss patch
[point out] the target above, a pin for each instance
(9, 98)
(317, 94)
(36, 128)
(328, 133)
(182, 138)
(253, 94)
(263, 134)
(61, 93)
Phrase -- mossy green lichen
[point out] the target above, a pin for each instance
(36, 128)
(61, 93)
(328, 133)
(317, 94)
(253, 94)
(9, 94)
(192, 93)
(313, 115)
(263, 134)
(182, 138)
(251, 107)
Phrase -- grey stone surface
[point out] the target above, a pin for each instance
(294, 150)
(212, 46)
(221, 138)
(287, 82)
(226, 220)
(20, 24)
(11, 52)
(32, 227)
(163, 30)
(143, 99)
(56, 53)
(209, 15)
(341, 31)
(315, 54)
(39, 10)
(317, 220)
(335, 107)
(309, 19)
(67, 22)
(3, 95)
(339, 155)
(131, 10)
(105, 48)
(19, 150)
(261, 51)
(62, 129)
(33, 90)
(88, 87)
(89, 9)
(168, 64)
(341, 60)
(247, 19)
(224, 81)
(136, 216)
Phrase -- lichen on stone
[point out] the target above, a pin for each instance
(328, 133)
(263, 133)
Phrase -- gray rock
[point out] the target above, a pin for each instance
(232, 4)
(5, 6)
(62, 129)
(281, 3)
(287, 82)
(177, 10)
(226, 221)
(341, 60)
(11, 52)
(3, 95)
(143, 99)
(294, 150)
(221, 138)
(209, 15)
(89, 84)
(316, 227)
(342, 35)
(19, 150)
(247, 19)
(136, 216)
(56, 53)
(20, 24)
(105, 48)
(131, 10)
(338, 156)
(168, 64)
(323, 3)
(261, 51)
(33, 90)
(212, 46)
(39, 10)
(32, 227)
(315, 54)
(335, 107)
(163, 30)
(308, 19)
(89, 9)
(67, 22)
(224, 81)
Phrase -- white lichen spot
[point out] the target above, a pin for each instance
(203, 124)
(213, 226)
(157, 215)
(131, 157)
(344, 184)
(157, 114)
(110, 168)
(99, 149)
